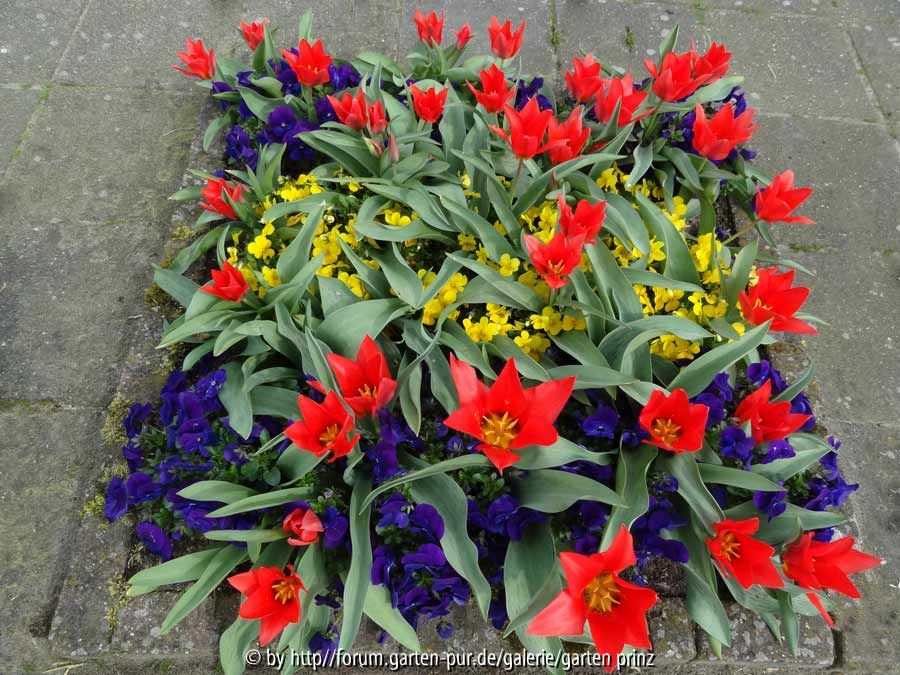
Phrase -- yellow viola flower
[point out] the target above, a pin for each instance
(608, 179)
(482, 331)
(271, 276)
(508, 265)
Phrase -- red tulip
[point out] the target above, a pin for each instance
(768, 421)
(227, 283)
(673, 422)
(310, 65)
(463, 35)
(775, 297)
(506, 417)
(254, 33)
(614, 91)
(273, 597)
(739, 554)
(527, 129)
(566, 140)
(365, 383)
(430, 27)
(584, 80)
(304, 525)
(429, 105)
(325, 427)
(351, 110)
(197, 61)
(714, 63)
(377, 120)
(585, 221)
(776, 202)
(494, 92)
(717, 137)
(214, 193)
(817, 565)
(615, 609)
(678, 77)
(556, 259)
(504, 42)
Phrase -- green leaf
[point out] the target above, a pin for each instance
(216, 491)
(740, 272)
(611, 280)
(295, 463)
(746, 480)
(648, 278)
(410, 395)
(508, 286)
(358, 581)
(454, 464)
(399, 275)
(592, 377)
(262, 501)
(643, 158)
(259, 105)
(551, 491)
(236, 401)
(695, 377)
(631, 485)
(255, 536)
(178, 287)
(562, 452)
(185, 568)
(809, 448)
(796, 387)
(789, 623)
(214, 574)
(445, 495)
(684, 468)
(234, 643)
(679, 264)
(378, 608)
(296, 256)
(345, 329)
(275, 401)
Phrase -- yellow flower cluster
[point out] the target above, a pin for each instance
(444, 297)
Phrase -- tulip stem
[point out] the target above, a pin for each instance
(740, 234)
(515, 183)
(310, 106)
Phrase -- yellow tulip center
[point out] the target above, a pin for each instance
(285, 590)
(602, 593)
(665, 430)
(729, 546)
(330, 434)
(499, 430)
(367, 391)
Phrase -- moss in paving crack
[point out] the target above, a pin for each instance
(630, 39)
(113, 432)
(117, 588)
(806, 248)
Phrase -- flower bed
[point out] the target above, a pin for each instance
(465, 342)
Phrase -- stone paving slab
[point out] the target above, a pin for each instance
(16, 108)
(783, 74)
(120, 43)
(33, 34)
(537, 54)
(877, 45)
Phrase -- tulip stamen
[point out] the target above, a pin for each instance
(499, 431)
(666, 430)
(602, 593)
(285, 590)
(729, 546)
(332, 431)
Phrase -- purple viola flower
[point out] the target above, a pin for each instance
(394, 511)
(208, 386)
(383, 561)
(319, 644)
(280, 124)
(720, 494)
(240, 147)
(497, 613)
(759, 372)
(506, 517)
(444, 630)
(154, 539)
(828, 462)
(133, 454)
(142, 488)
(343, 76)
(602, 423)
(734, 443)
(454, 587)
(829, 494)
(234, 453)
(633, 435)
(772, 504)
(780, 449)
(116, 502)
(336, 527)
(800, 404)
(721, 387)
(426, 520)
(715, 405)
(427, 556)
(525, 92)
(826, 534)
(288, 78)
(134, 420)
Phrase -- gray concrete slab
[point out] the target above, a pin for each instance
(537, 46)
(121, 43)
(877, 46)
(783, 74)
(16, 107)
(33, 36)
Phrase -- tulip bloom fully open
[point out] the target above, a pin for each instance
(614, 609)
(566, 139)
(740, 555)
(310, 64)
(325, 427)
(779, 200)
(227, 283)
(678, 77)
(619, 91)
(506, 417)
(819, 565)
(494, 93)
(775, 297)
(715, 138)
(768, 421)
(585, 221)
(556, 259)
(304, 525)
(214, 193)
(273, 597)
(527, 129)
(673, 422)
(505, 43)
(429, 105)
(430, 27)
(351, 110)
(254, 33)
(584, 80)
(197, 61)
(365, 382)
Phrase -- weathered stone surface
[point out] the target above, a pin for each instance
(16, 107)
(672, 632)
(753, 643)
(137, 628)
(33, 36)
(815, 77)
(877, 45)
(537, 54)
(121, 43)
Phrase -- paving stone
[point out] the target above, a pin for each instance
(137, 628)
(16, 108)
(45, 455)
(782, 74)
(122, 43)
(672, 632)
(877, 44)
(854, 249)
(751, 642)
(33, 35)
(537, 52)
